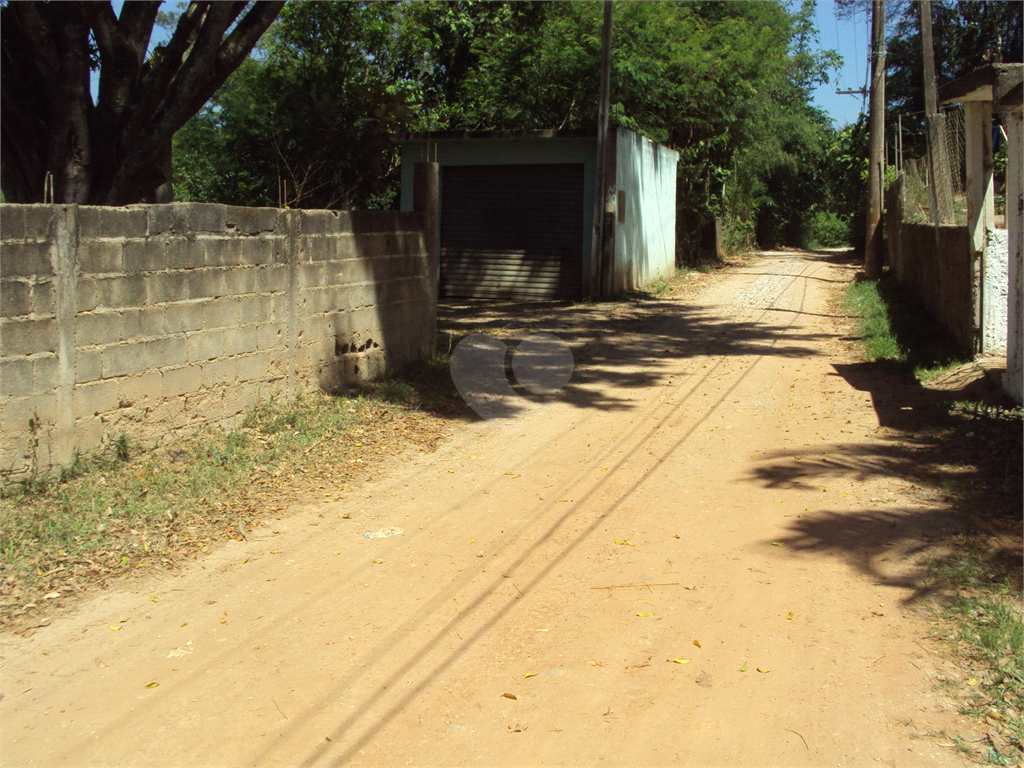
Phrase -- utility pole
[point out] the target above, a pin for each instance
(928, 56)
(598, 266)
(924, 7)
(876, 143)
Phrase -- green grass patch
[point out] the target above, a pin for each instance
(894, 327)
(121, 508)
(987, 630)
(978, 573)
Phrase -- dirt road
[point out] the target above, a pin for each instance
(692, 555)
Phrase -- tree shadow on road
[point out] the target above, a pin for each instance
(624, 345)
(959, 450)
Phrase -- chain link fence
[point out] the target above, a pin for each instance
(938, 183)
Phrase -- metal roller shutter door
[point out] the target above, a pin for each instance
(512, 231)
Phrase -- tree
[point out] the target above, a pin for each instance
(114, 151)
(314, 111)
(965, 36)
(726, 84)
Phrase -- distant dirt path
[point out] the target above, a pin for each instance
(697, 481)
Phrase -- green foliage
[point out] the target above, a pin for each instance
(965, 36)
(726, 84)
(308, 120)
(895, 328)
(879, 343)
(826, 230)
(846, 168)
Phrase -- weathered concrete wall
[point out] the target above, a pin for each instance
(936, 266)
(994, 285)
(155, 320)
(938, 270)
(1015, 260)
(645, 215)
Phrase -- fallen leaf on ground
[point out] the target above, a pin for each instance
(529, 674)
(154, 684)
(744, 668)
(763, 671)
(644, 615)
(626, 543)
(510, 696)
(681, 661)
(789, 615)
(697, 643)
(776, 543)
(114, 628)
(972, 681)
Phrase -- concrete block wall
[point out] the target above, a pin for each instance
(157, 320)
(936, 267)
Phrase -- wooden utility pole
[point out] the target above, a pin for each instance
(931, 121)
(928, 58)
(873, 244)
(599, 268)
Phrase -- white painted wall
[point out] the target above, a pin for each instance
(645, 227)
(994, 290)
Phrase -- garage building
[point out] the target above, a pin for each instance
(516, 218)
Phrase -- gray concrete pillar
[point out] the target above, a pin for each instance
(1015, 257)
(290, 221)
(426, 197)
(65, 270)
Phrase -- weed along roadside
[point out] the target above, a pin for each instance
(959, 441)
(122, 511)
(727, 537)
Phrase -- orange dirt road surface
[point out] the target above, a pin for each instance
(664, 564)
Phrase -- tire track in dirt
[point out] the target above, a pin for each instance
(443, 642)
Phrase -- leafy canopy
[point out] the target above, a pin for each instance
(726, 84)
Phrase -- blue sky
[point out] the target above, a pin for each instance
(850, 38)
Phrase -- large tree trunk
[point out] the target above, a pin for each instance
(46, 101)
(117, 151)
(165, 192)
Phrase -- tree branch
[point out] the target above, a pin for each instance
(235, 49)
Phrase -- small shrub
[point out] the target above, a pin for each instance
(122, 446)
(737, 235)
(396, 392)
(826, 230)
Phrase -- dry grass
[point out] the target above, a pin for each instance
(123, 511)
